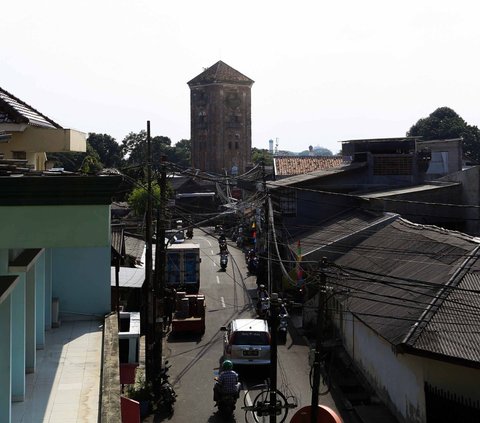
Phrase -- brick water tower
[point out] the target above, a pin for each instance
(221, 121)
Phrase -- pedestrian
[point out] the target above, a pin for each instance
(170, 296)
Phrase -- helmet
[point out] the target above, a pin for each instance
(227, 365)
(262, 287)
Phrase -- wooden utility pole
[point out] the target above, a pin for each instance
(318, 343)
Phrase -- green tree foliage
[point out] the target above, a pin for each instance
(134, 147)
(444, 123)
(139, 196)
(259, 154)
(181, 153)
(91, 163)
(109, 151)
(88, 162)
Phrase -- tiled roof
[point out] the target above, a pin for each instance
(392, 276)
(298, 165)
(220, 72)
(14, 110)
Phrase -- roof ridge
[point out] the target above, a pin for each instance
(443, 293)
(28, 106)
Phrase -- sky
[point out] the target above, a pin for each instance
(324, 72)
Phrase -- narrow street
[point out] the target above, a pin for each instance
(195, 359)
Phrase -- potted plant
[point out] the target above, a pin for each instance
(141, 391)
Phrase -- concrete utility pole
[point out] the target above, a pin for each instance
(318, 343)
(149, 337)
(274, 307)
(160, 257)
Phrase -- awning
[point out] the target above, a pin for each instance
(129, 277)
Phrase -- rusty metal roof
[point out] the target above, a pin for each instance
(390, 279)
(14, 110)
(220, 72)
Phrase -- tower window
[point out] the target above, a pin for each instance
(230, 145)
(236, 145)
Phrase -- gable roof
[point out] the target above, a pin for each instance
(220, 72)
(397, 279)
(296, 165)
(14, 110)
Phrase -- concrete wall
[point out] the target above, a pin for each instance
(55, 226)
(397, 379)
(81, 281)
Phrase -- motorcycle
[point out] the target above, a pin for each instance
(224, 260)
(226, 403)
(166, 395)
(222, 244)
(282, 326)
(263, 307)
(252, 265)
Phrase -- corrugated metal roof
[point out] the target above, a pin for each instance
(14, 110)
(218, 73)
(296, 165)
(331, 232)
(393, 275)
(454, 330)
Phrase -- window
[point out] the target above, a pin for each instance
(19, 155)
(236, 145)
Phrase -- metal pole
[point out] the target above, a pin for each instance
(318, 343)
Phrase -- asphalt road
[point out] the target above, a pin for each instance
(195, 359)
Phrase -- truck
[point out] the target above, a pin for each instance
(182, 270)
(189, 313)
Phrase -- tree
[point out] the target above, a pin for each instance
(445, 123)
(134, 146)
(138, 199)
(181, 153)
(259, 154)
(109, 151)
(88, 162)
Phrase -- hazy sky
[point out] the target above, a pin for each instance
(323, 71)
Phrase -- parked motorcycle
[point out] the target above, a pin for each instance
(224, 260)
(166, 395)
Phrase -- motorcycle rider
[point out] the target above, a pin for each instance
(227, 382)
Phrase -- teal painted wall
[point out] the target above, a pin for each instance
(81, 280)
(55, 226)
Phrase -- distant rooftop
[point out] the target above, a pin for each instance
(218, 73)
(299, 165)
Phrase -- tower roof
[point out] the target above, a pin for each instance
(218, 73)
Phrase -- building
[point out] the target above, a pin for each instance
(221, 123)
(28, 135)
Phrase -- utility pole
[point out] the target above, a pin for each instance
(159, 283)
(149, 338)
(274, 307)
(318, 343)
